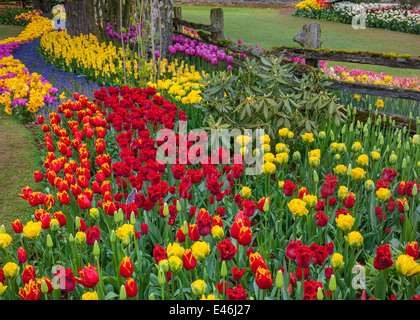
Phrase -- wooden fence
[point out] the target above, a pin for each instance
(214, 34)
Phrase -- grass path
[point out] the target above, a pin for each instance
(19, 158)
(270, 27)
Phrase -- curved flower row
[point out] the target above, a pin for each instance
(369, 77)
(85, 55)
(24, 93)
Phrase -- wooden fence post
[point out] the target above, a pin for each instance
(178, 15)
(216, 18)
(310, 37)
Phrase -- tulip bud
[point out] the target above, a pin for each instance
(119, 216)
(198, 287)
(113, 237)
(337, 156)
(49, 241)
(94, 213)
(406, 206)
(322, 135)
(351, 128)
(316, 177)
(178, 206)
(54, 225)
(296, 156)
(22, 257)
(44, 286)
(320, 294)
(152, 296)
(223, 270)
(279, 279)
(266, 206)
(164, 265)
(349, 170)
(71, 238)
(132, 218)
(161, 277)
(123, 294)
(256, 153)
(185, 228)
(369, 185)
(96, 249)
(78, 223)
(343, 130)
(415, 190)
(165, 210)
(392, 158)
(333, 284)
(416, 139)
(404, 164)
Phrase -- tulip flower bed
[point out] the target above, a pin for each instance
(326, 209)
(333, 215)
(388, 16)
(23, 93)
(9, 12)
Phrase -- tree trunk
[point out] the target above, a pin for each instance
(43, 5)
(162, 25)
(37, 4)
(46, 6)
(78, 21)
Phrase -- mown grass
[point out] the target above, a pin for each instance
(7, 31)
(19, 158)
(272, 27)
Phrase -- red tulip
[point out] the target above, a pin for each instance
(412, 249)
(22, 257)
(227, 249)
(245, 236)
(188, 260)
(83, 201)
(256, 261)
(383, 257)
(93, 234)
(17, 226)
(38, 176)
(63, 197)
(126, 267)
(237, 274)
(263, 278)
(28, 273)
(131, 288)
(88, 276)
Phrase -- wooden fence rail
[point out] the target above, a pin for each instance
(210, 34)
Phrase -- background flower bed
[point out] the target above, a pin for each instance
(386, 16)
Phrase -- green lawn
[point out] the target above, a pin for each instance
(19, 158)
(7, 31)
(271, 27)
